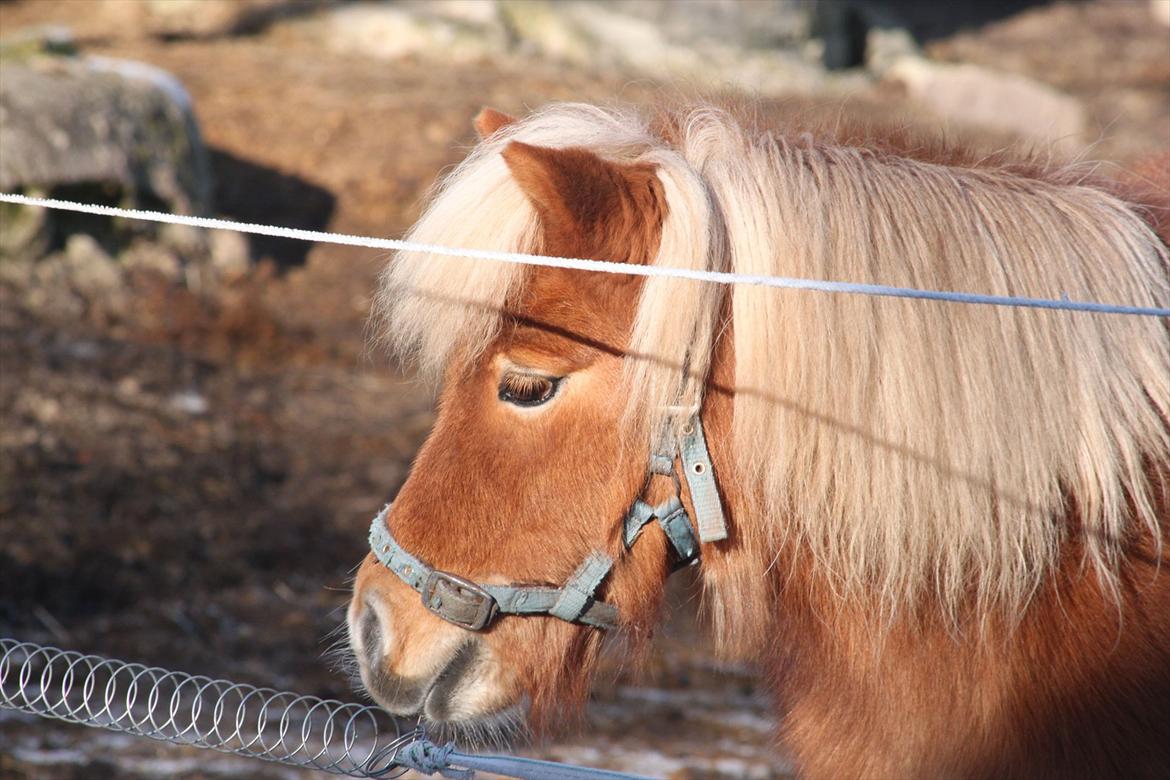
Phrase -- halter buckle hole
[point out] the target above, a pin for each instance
(385, 548)
(688, 430)
(697, 468)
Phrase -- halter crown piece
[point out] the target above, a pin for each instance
(474, 606)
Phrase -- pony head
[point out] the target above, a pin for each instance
(537, 452)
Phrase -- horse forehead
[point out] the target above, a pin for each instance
(559, 348)
(568, 334)
(595, 305)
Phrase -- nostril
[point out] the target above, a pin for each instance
(371, 633)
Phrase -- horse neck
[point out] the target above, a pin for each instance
(910, 689)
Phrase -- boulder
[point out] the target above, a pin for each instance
(198, 18)
(109, 132)
(761, 46)
(760, 24)
(65, 285)
(24, 232)
(123, 126)
(92, 273)
(393, 31)
(707, 45)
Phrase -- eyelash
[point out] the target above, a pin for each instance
(528, 389)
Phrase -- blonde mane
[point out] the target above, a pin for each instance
(914, 448)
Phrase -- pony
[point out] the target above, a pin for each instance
(944, 525)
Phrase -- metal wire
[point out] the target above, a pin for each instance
(344, 739)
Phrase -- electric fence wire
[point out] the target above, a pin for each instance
(353, 740)
(304, 731)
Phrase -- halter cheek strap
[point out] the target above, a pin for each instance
(700, 476)
(474, 606)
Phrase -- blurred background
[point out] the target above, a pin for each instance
(194, 431)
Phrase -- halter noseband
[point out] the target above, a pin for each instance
(474, 606)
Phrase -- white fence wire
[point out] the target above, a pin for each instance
(603, 266)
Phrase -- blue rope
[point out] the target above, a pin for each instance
(426, 757)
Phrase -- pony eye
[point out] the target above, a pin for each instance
(528, 389)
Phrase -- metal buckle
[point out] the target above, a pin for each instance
(458, 601)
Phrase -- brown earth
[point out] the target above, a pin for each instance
(190, 484)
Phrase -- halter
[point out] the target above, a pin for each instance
(474, 606)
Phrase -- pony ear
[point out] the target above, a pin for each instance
(488, 121)
(576, 192)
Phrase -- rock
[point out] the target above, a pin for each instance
(390, 31)
(92, 273)
(152, 258)
(24, 232)
(541, 28)
(230, 254)
(476, 13)
(886, 46)
(31, 41)
(199, 18)
(127, 387)
(189, 402)
(46, 289)
(675, 41)
(760, 24)
(123, 126)
(705, 43)
(1004, 102)
(67, 285)
(186, 240)
(104, 131)
(15, 272)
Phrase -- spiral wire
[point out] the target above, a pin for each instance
(332, 736)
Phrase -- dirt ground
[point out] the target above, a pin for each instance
(190, 485)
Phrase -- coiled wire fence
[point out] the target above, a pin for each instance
(343, 739)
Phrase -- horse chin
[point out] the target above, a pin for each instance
(462, 696)
(466, 697)
(495, 729)
(446, 699)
